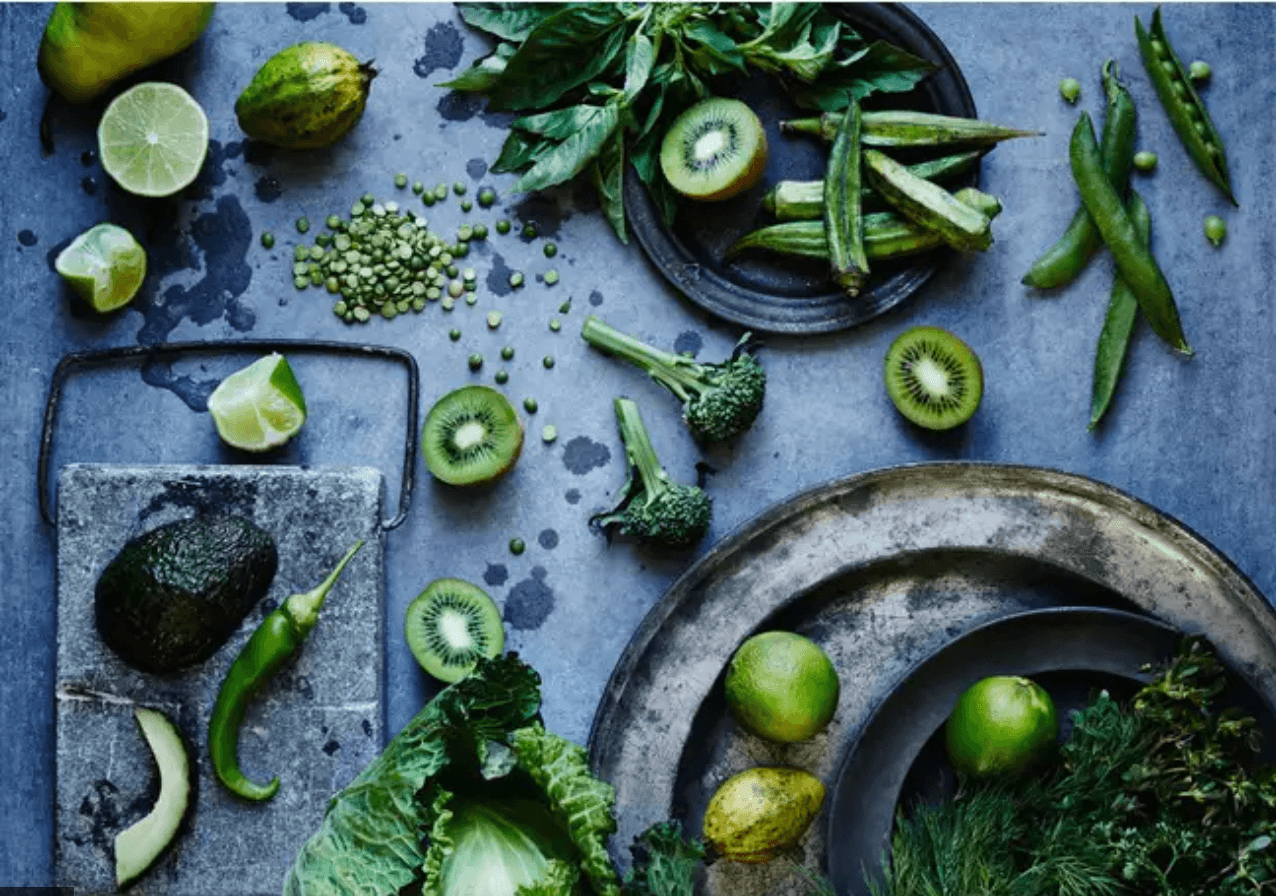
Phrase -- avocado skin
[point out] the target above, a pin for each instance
(172, 596)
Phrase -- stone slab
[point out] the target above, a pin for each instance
(316, 724)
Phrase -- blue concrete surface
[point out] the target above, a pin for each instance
(1191, 437)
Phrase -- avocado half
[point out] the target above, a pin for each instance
(138, 846)
(172, 596)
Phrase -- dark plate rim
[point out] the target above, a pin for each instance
(733, 302)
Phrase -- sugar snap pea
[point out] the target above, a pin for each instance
(1118, 322)
(1183, 106)
(1061, 263)
(1133, 260)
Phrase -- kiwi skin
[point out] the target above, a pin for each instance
(697, 118)
(483, 623)
(504, 435)
(953, 357)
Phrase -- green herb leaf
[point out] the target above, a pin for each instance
(879, 67)
(608, 175)
(559, 124)
(640, 58)
(717, 53)
(571, 47)
(571, 156)
(481, 76)
(664, 862)
(521, 151)
(508, 21)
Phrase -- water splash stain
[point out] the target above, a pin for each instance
(475, 168)
(595, 298)
(583, 454)
(355, 13)
(572, 495)
(548, 539)
(443, 47)
(27, 238)
(496, 574)
(688, 343)
(88, 184)
(529, 602)
(267, 189)
(457, 106)
(304, 12)
(498, 276)
(542, 211)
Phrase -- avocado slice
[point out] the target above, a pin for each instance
(172, 596)
(138, 846)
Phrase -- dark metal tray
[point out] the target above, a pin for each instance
(882, 569)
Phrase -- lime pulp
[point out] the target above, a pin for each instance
(260, 407)
(105, 265)
(153, 138)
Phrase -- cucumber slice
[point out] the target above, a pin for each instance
(137, 847)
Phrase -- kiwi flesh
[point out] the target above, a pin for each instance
(714, 150)
(450, 626)
(933, 377)
(471, 435)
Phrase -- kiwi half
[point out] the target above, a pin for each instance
(933, 377)
(452, 625)
(472, 435)
(714, 150)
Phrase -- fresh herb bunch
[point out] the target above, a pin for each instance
(600, 83)
(1164, 797)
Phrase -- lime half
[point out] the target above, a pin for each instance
(153, 138)
(105, 265)
(259, 407)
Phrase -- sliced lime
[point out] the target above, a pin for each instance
(153, 138)
(105, 265)
(259, 407)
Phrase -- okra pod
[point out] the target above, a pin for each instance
(1183, 105)
(1133, 260)
(803, 200)
(928, 204)
(843, 215)
(1118, 322)
(902, 127)
(1062, 262)
(887, 235)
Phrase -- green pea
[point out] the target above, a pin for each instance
(333, 222)
(529, 230)
(466, 205)
(303, 225)
(1215, 229)
(368, 199)
(340, 308)
(530, 405)
(454, 334)
(493, 319)
(333, 285)
(507, 353)
(471, 298)
(465, 233)
(300, 282)
(459, 188)
(475, 361)
(550, 250)
(502, 376)
(1145, 160)
(503, 226)
(417, 187)
(267, 240)
(549, 433)
(555, 324)
(547, 362)
(486, 197)
(517, 546)
(1199, 70)
(400, 180)
(1070, 89)
(516, 279)
(480, 231)
(551, 277)
(428, 198)
(440, 192)
(565, 307)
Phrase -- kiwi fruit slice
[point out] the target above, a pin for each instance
(472, 435)
(714, 150)
(933, 377)
(452, 625)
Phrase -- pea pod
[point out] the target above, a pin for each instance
(1062, 262)
(1118, 322)
(843, 215)
(1182, 103)
(279, 636)
(905, 127)
(1133, 260)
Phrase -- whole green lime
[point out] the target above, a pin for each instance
(1000, 726)
(781, 686)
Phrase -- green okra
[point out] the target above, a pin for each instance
(1118, 322)
(1182, 104)
(843, 215)
(1135, 261)
(903, 127)
(928, 204)
(887, 235)
(803, 200)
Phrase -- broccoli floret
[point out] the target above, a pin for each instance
(719, 400)
(653, 507)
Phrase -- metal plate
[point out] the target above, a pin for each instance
(881, 569)
(794, 295)
(315, 724)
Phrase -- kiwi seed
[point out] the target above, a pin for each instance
(472, 435)
(714, 150)
(450, 626)
(934, 379)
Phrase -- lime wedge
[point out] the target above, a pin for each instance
(105, 265)
(259, 407)
(153, 138)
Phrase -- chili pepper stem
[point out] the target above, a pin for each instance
(303, 609)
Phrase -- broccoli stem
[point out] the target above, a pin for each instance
(675, 372)
(639, 450)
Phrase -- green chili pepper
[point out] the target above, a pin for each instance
(1062, 262)
(279, 636)
(1182, 103)
(1133, 260)
(1118, 323)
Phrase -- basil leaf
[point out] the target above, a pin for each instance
(640, 58)
(879, 67)
(508, 21)
(559, 124)
(520, 152)
(570, 48)
(785, 23)
(608, 174)
(484, 73)
(571, 156)
(717, 53)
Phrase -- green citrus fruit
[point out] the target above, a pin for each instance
(152, 139)
(105, 265)
(781, 687)
(1001, 725)
(259, 407)
(759, 813)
